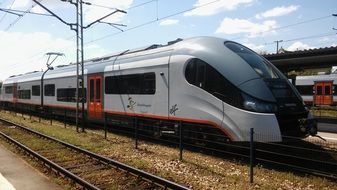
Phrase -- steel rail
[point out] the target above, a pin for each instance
(145, 175)
(53, 165)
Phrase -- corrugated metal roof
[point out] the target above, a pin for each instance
(307, 52)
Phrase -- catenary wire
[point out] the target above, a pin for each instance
(3, 17)
(19, 18)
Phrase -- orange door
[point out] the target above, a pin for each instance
(95, 97)
(15, 93)
(323, 95)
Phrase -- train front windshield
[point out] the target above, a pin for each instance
(259, 64)
(284, 93)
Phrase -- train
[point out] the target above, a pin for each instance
(207, 83)
(318, 90)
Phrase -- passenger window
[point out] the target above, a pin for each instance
(319, 90)
(36, 90)
(131, 84)
(201, 68)
(69, 94)
(49, 90)
(327, 90)
(204, 76)
(9, 90)
(24, 94)
(92, 90)
(98, 90)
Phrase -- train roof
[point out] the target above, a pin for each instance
(310, 80)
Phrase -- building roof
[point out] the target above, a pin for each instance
(310, 58)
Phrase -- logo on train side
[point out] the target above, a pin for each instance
(173, 109)
(131, 104)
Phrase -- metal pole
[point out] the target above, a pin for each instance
(65, 118)
(105, 126)
(82, 67)
(51, 116)
(78, 62)
(181, 140)
(136, 132)
(277, 42)
(251, 172)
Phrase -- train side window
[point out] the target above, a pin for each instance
(201, 72)
(98, 90)
(92, 90)
(36, 90)
(319, 90)
(190, 72)
(327, 90)
(131, 84)
(68, 94)
(334, 90)
(204, 76)
(305, 89)
(9, 90)
(111, 85)
(149, 83)
(49, 90)
(24, 94)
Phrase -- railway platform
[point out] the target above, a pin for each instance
(16, 174)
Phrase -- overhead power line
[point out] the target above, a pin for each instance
(310, 37)
(153, 21)
(24, 13)
(2, 18)
(21, 11)
(107, 7)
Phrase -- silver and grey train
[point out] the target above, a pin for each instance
(198, 81)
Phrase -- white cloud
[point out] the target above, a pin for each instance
(277, 11)
(216, 7)
(21, 3)
(92, 13)
(299, 46)
(24, 52)
(167, 22)
(25, 4)
(236, 26)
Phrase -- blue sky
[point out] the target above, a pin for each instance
(301, 24)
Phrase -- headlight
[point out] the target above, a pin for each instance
(253, 104)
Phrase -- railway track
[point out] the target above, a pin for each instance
(292, 155)
(87, 169)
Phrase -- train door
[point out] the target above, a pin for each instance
(95, 102)
(15, 93)
(323, 93)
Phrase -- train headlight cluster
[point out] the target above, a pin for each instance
(253, 104)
